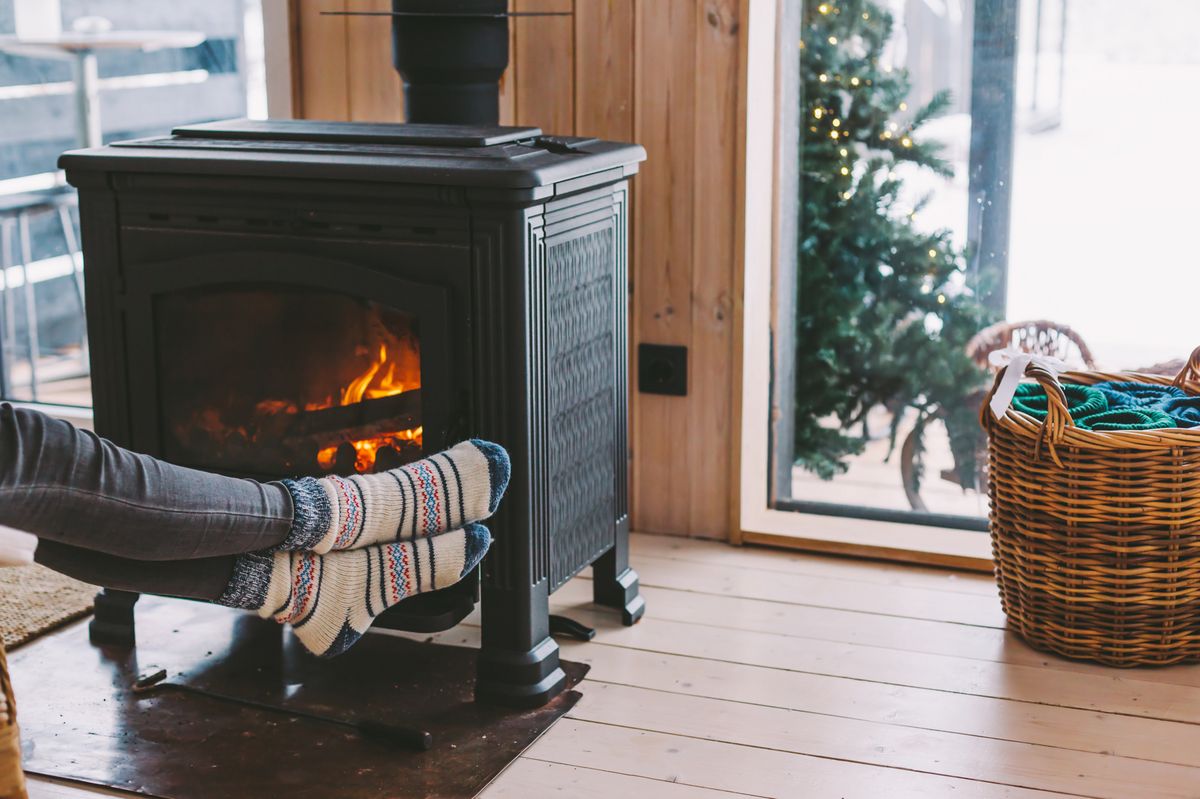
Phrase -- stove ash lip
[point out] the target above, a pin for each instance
(451, 64)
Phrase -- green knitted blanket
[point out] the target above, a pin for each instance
(1090, 409)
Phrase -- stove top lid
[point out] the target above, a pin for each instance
(356, 132)
(472, 156)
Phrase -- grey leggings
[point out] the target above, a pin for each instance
(115, 518)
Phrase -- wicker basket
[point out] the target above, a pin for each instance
(1096, 535)
(12, 778)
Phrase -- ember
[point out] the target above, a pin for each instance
(365, 450)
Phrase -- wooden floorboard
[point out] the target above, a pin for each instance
(831, 592)
(692, 550)
(529, 777)
(771, 674)
(888, 632)
(747, 769)
(918, 708)
(928, 751)
(1119, 692)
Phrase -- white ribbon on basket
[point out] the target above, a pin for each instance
(1016, 361)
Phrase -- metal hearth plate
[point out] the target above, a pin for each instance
(80, 719)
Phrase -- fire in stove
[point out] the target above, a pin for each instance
(375, 383)
(344, 397)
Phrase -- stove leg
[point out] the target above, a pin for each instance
(518, 661)
(615, 585)
(112, 623)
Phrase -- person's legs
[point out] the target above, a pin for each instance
(71, 486)
(198, 578)
(330, 600)
(102, 512)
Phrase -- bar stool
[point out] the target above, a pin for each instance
(16, 211)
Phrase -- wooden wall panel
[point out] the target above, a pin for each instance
(373, 85)
(321, 82)
(710, 416)
(664, 123)
(604, 64)
(663, 73)
(543, 66)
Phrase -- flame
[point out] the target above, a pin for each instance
(389, 384)
(363, 387)
(381, 378)
(374, 383)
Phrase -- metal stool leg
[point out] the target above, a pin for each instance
(31, 321)
(7, 323)
(73, 250)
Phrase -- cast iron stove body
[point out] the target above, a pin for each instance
(278, 298)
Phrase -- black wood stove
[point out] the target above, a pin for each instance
(280, 298)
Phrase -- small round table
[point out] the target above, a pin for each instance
(80, 49)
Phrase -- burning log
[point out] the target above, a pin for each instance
(361, 420)
(393, 457)
(345, 459)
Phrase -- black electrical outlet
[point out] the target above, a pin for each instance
(662, 369)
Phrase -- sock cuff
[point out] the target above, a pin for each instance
(312, 514)
(247, 588)
(499, 470)
(477, 541)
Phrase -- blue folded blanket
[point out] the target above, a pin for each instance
(1184, 410)
(1137, 395)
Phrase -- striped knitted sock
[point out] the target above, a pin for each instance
(443, 492)
(331, 600)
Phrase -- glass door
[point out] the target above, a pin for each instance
(954, 178)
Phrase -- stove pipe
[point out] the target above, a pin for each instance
(450, 55)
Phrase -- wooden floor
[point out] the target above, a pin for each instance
(772, 674)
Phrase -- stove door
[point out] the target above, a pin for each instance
(264, 366)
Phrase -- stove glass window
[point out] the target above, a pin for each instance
(278, 381)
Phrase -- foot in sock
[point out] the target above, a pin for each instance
(431, 496)
(330, 600)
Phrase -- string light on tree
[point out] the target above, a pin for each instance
(882, 317)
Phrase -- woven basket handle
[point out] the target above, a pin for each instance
(1058, 418)
(1190, 372)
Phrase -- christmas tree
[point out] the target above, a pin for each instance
(884, 308)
